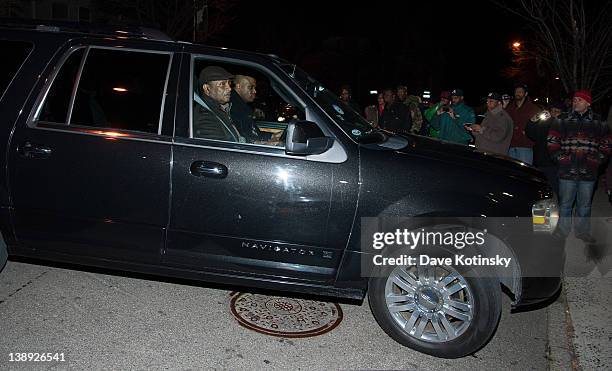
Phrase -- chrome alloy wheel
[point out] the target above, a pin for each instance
(433, 304)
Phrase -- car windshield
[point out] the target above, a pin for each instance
(349, 120)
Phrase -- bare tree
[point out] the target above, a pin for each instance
(194, 20)
(573, 38)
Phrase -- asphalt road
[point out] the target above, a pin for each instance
(99, 320)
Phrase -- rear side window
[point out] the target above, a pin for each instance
(121, 90)
(14, 53)
(56, 105)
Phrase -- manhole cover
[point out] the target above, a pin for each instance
(286, 317)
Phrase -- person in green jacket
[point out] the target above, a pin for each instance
(451, 121)
(430, 113)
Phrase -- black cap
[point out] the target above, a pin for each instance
(495, 96)
(457, 93)
(214, 73)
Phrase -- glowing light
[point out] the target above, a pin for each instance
(110, 134)
(281, 119)
(557, 78)
(120, 90)
(516, 45)
(373, 92)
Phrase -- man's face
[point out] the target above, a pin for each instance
(580, 105)
(381, 99)
(247, 89)
(345, 95)
(219, 90)
(492, 103)
(445, 101)
(389, 97)
(402, 93)
(456, 99)
(519, 94)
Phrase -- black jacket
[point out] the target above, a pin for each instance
(396, 118)
(242, 116)
(538, 132)
(212, 122)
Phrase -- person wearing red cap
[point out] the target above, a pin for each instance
(579, 143)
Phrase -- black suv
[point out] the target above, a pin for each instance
(102, 167)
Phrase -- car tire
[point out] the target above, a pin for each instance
(411, 322)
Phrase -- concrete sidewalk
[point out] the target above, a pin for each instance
(586, 322)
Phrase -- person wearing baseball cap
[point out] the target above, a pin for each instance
(579, 142)
(495, 132)
(211, 118)
(452, 121)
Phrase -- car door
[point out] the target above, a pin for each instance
(250, 209)
(90, 167)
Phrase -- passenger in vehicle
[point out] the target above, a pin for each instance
(211, 118)
(244, 93)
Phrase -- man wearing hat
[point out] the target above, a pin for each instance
(451, 121)
(430, 113)
(579, 142)
(495, 132)
(522, 109)
(211, 120)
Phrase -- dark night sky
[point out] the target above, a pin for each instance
(425, 45)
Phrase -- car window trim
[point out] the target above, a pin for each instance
(114, 134)
(75, 87)
(33, 120)
(42, 97)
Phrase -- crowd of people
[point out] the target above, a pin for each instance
(569, 143)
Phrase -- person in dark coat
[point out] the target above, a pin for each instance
(211, 119)
(396, 116)
(244, 93)
(537, 130)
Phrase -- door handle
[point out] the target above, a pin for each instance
(34, 151)
(208, 169)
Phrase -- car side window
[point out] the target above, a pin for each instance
(121, 89)
(57, 102)
(240, 103)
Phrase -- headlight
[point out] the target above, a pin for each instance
(545, 215)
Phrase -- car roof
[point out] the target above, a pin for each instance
(71, 30)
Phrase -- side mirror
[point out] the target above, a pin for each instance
(306, 138)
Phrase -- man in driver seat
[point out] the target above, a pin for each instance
(215, 122)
